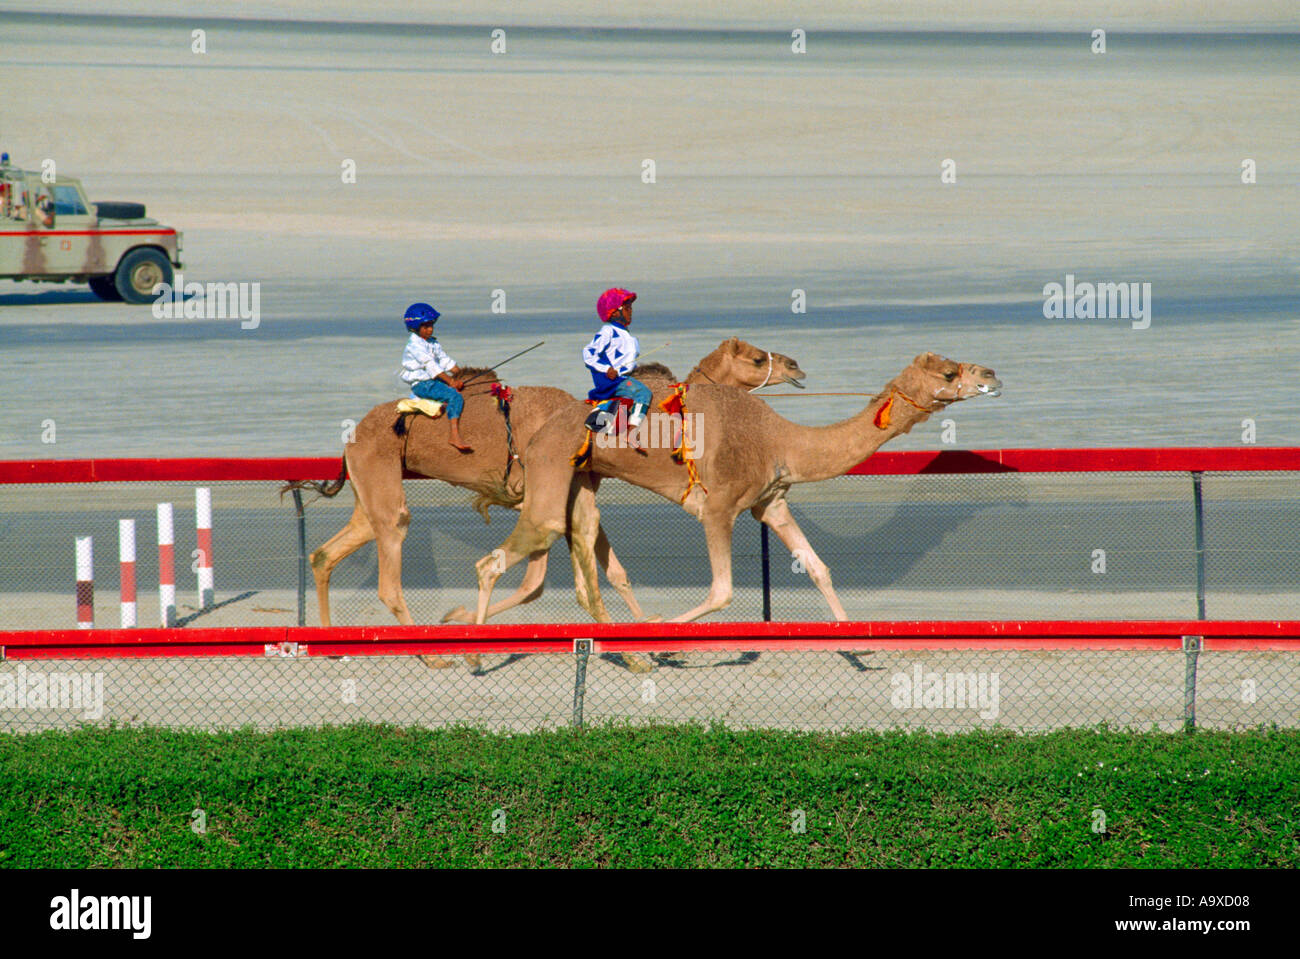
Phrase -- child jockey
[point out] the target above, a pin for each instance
(430, 372)
(610, 356)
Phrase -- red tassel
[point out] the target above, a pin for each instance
(882, 414)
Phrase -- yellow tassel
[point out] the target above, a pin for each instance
(583, 456)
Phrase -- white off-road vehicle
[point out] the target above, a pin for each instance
(50, 233)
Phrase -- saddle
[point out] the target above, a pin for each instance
(604, 417)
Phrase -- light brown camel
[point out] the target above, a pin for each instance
(750, 459)
(375, 458)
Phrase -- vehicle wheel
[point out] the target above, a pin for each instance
(139, 272)
(117, 210)
(105, 288)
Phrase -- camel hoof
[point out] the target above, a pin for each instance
(458, 615)
(635, 664)
(437, 662)
(474, 661)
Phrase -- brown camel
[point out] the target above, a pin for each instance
(375, 458)
(749, 459)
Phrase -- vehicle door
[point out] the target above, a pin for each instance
(70, 242)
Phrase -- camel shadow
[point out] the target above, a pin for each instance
(938, 529)
(186, 620)
(508, 661)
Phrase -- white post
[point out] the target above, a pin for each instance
(166, 570)
(126, 559)
(85, 583)
(203, 524)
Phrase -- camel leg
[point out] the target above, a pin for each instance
(491, 566)
(585, 535)
(584, 576)
(717, 531)
(543, 518)
(390, 533)
(617, 575)
(583, 528)
(776, 514)
(529, 590)
(341, 545)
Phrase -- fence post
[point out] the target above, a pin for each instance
(1191, 647)
(302, 558)
(767, 576)
(1200, 544)
(581, 651)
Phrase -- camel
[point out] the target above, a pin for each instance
(377, 455)
(751, 459)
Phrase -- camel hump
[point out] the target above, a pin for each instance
(480, 374)
(653, 370)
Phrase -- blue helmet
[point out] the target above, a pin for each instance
(417, 314)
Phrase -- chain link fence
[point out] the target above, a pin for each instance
(1000, 547)
(944, 691)
(993, 546)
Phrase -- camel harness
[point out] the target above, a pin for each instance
(885, 413)
(504, 395)
(674, 405)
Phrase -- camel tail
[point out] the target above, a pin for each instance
(321, 488)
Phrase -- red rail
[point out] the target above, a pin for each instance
(1136, 459)
(1224, 635)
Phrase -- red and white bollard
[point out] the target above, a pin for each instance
(166, 567)
(126, 559)
(203, 523)
(85, 584)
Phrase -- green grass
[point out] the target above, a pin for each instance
(658, 796)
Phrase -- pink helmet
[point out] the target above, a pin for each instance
(612, 300)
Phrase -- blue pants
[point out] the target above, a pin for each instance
(440, 391)
(638, 393)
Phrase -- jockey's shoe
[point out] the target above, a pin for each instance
(601, 421)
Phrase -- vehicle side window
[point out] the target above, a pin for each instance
(67, 201)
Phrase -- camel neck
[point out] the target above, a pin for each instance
(705, 371)
(822, 452)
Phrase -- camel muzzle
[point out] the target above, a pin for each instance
(990, 385)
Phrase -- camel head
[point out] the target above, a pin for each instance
(748, 367)
(935, 381)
